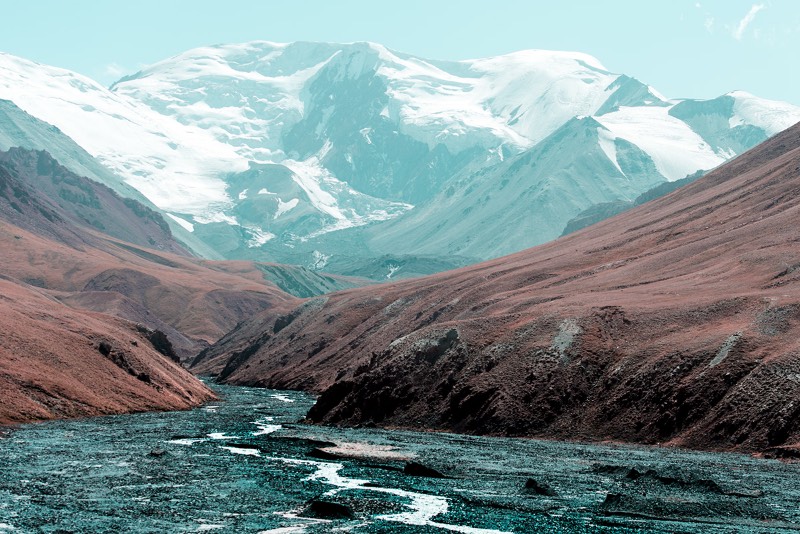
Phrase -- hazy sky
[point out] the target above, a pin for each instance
(684, 48)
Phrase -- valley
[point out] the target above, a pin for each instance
(671, 323)
(320, 286)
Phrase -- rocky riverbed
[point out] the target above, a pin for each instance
(245, 465)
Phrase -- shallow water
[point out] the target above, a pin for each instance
(243, 465)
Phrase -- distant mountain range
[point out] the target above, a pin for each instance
(360, 160)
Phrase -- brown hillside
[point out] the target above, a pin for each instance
(676, 322)
(159, 288)
(59, 362)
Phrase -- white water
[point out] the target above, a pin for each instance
(423, 507)
(186, 441)
(265, 426)
(220, 435)
(242, 451)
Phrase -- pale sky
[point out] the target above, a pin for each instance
(683, 48)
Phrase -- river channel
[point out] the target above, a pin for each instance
(245, 464)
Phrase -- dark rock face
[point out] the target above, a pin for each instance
(160, 342)
(122, 359)
(653, 478)
(321, 454)
(533, 486)
(649, 494)
(788, 453)
(104, 347)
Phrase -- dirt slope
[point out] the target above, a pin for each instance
(199, 302)
(59, 362)
(64, 256)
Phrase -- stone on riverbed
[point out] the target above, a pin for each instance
(328, 510)
(533, 486)
(419, 470)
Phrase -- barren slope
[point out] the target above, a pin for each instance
(59, 362)
(65, 233)
(675, 322)
(142, 285)
(64, 258)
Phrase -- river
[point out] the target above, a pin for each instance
(245, 464)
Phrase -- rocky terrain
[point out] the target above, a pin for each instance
(675, 322)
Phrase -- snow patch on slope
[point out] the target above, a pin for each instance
(517, 99)
(181, 221)
(329, 195)
(675, 148)
(258, 236)
(770, 115)
(285, 207)
(537, 91)
(310, 175)
(247, 95)
(318, 260)
(176, 166)
(216, 216)
(606, 140)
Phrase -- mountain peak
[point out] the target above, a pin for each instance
(543, 58)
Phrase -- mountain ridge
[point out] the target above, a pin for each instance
(674, 323)
(362, 140)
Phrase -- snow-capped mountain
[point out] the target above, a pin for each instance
(299, 151)
(180, 168)
(252, 95)
(589, 161)
(425, 132)
(389, 124)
